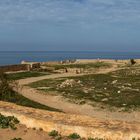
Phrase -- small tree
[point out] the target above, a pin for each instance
(6, 87)
(133, 62)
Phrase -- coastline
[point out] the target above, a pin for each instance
(15, 57)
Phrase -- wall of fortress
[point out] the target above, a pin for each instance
(19, 67)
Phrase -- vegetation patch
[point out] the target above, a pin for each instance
(84, 66)
(96, 139)
(23, 101)
(9, 95)
(119, 89)
(16, 139)
(74, 136)
(53, 133)
(23, 75)
(8, 122)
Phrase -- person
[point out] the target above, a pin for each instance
(77, 72)
(66, 70)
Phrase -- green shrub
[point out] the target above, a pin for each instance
(23, 75)
(95, 139)
(53, 133)
(6, 87)
(133, 62)
(8, 122)
(16, 139)
(90, 138)
(74, 136)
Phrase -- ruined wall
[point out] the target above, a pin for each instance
(20, 67)
(58, 62)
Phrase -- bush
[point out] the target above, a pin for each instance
(133, 62)
(95, 139)
(90, 138)
(74, 136)
(8, 122)
(6, 87)
(53, 133)
(16, 139)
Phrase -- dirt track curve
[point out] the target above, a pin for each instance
(62, 104)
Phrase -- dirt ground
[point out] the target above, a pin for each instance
(62, 104)
(67, 124)
(71, 108)
(24, 133)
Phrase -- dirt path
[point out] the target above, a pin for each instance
(62, 104)
(24, 133)
(52, 76)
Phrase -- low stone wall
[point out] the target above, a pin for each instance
(67, 124)
(59, 62)
(50, 63)
(32, 65)
(9, 68)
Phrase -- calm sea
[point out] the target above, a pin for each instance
(8, 58)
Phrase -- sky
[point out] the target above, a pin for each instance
(70, 25)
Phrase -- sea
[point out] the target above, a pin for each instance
(15, 57)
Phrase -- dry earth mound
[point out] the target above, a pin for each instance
(67, 124)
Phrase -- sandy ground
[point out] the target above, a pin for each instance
(24, 133)
(67, 124)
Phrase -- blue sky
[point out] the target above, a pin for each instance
(96, 25)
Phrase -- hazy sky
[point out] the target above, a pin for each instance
(112, 25)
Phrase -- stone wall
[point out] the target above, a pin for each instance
(66, 123)
(32, 65)
(9, 68)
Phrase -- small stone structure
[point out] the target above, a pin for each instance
(31, 65)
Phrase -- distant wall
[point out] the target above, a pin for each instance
(58, 62)
(31, 65)
(8, 68)
(50, 63)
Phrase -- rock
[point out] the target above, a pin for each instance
(79, 82)
(119, 91)
(104, 100)
(69, 83)
(114, 82)
(43, 88)
(85, 91)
